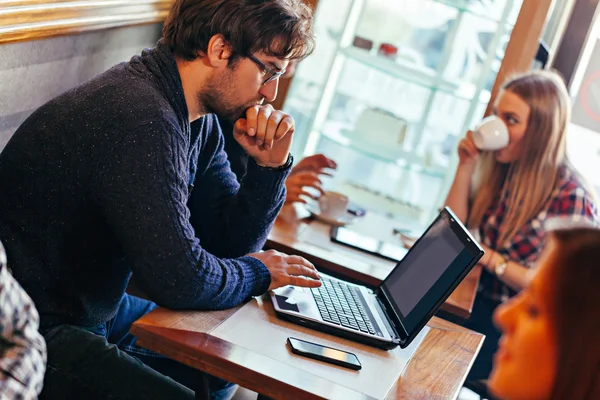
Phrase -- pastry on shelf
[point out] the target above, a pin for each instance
(379, 128)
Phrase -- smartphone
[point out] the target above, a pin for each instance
(324, 353)
(356, 210)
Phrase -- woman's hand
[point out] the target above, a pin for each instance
(296, 185)
(306, 175)
(314, 163)
(468, 153)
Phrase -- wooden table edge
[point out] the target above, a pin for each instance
(232, 371)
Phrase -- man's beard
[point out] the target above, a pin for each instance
(216, 97)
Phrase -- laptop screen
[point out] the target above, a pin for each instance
(429, 270)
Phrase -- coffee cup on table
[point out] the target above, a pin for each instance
(333, 205)
(491, 134)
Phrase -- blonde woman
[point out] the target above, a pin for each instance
(505, 196)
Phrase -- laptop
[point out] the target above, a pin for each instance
(395, 312)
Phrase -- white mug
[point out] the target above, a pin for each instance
(491, 134)
(333, 205)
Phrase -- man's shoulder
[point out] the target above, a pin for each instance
(112, 103)
(121, 88)
(97, 114)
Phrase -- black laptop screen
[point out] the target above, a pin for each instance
(428, 271)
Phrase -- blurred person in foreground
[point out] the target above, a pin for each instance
(549, 349)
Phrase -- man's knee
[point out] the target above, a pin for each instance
(82, 364)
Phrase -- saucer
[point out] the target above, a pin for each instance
(340, 221)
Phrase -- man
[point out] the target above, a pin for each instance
(108, 178)
(22, 348)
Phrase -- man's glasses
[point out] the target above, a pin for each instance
(270, 74)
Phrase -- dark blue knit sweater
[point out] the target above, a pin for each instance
(108, 178)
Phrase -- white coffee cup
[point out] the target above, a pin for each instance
(491, 134)
(333, 205)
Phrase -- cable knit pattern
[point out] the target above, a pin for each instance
(109, 178)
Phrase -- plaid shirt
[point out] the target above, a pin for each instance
(569, 200)
(22, 348)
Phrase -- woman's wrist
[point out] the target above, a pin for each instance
(488, 260)
(496, 264)
(466, 169)
(463, 178)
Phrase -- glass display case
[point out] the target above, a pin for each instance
(391, 88)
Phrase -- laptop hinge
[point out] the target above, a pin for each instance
(390, 327)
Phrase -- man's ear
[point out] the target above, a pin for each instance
(218, 51)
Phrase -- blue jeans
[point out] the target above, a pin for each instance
(105, 363)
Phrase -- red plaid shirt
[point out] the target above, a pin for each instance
(569, 200)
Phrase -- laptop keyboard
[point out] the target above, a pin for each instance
(339, 304)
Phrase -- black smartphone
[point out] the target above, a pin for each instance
(324, 353)
(356, 210)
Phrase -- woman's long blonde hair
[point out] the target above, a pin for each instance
(532, 178)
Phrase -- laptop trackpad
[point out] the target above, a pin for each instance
(286, 303)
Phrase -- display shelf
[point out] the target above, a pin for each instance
(412, 73)
(463, 6)
(438, 84)
(388, 154)
(386, 204)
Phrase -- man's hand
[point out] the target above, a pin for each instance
(297, 183)
(314, 163)
(288, 270)
(266, 135)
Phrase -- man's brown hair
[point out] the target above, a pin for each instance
(279, 28)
